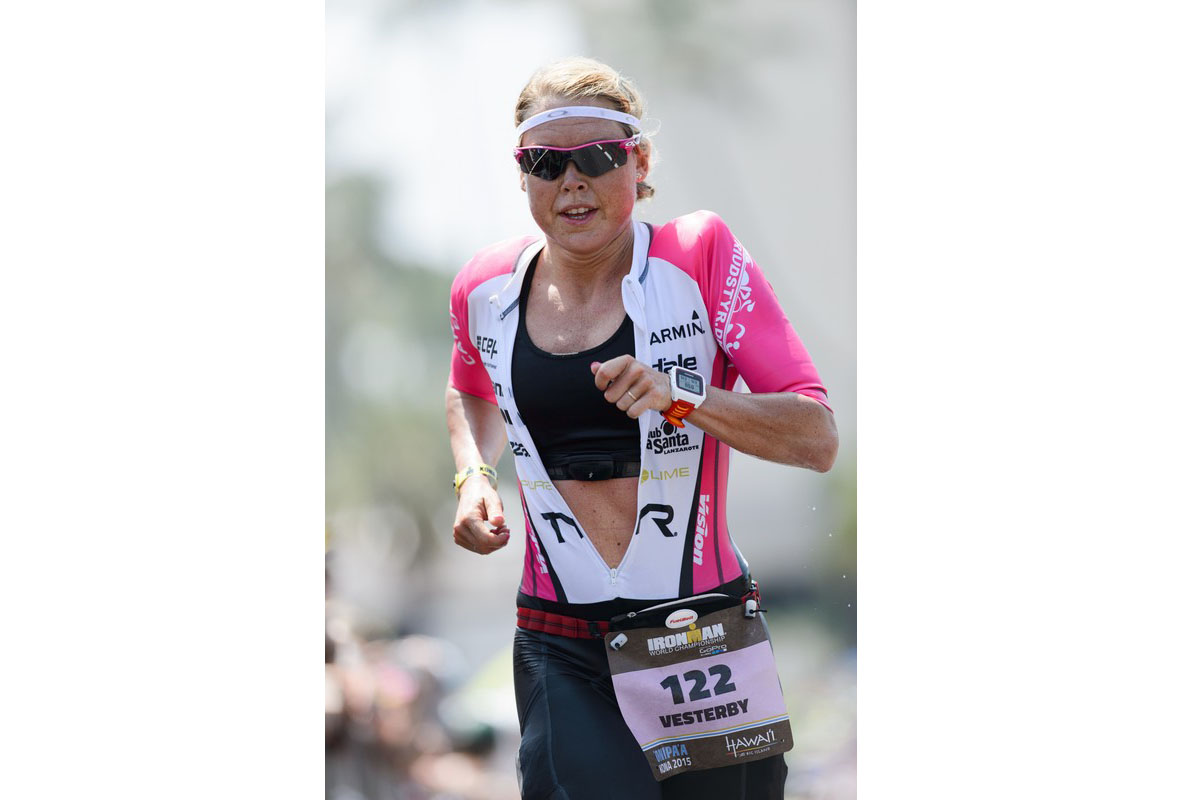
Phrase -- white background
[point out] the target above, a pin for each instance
(162, 441)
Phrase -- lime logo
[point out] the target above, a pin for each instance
(680, 618)
(663, 474)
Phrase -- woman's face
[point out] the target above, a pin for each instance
(609, 198)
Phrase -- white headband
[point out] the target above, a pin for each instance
(577, 111)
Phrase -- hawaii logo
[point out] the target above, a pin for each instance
(744, 745)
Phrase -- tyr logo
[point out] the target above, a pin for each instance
(655, 509)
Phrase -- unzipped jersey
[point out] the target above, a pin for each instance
(697, 300)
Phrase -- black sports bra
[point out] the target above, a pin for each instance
(579, 434)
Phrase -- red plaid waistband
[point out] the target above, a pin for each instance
(533, 620)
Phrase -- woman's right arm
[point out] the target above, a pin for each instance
(477, 437)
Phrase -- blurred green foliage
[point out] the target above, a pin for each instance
(388, 345)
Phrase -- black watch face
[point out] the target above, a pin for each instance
(693, 384)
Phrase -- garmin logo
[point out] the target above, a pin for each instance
(664, 365)
(690, 328)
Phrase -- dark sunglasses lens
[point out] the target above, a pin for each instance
(599, 159)
(542, 163)
(592, 160)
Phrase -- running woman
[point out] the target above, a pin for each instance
(605, 354)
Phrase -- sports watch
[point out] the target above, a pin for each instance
(688, 392)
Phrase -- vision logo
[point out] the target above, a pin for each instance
(736, 297)
(690, 328)
(544, 565)
(702, 533)
(746, 745)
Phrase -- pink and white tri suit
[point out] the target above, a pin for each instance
(697, 300)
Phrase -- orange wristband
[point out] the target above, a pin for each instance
(677, 412)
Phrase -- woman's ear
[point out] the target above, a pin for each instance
(642, 162)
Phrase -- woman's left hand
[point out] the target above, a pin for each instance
(785, 427)
(633, 387)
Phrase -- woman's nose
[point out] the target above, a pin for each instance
(570, 177)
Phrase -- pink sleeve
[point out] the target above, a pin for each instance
(748, 322)
(467, 371)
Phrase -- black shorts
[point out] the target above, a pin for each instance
(576, 746)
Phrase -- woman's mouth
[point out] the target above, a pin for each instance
(579, 215)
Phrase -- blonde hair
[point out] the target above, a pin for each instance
(580, 78)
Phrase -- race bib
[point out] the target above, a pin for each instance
(698, 687)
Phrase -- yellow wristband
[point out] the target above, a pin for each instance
(482, 469)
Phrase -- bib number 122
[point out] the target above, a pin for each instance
(723, 684)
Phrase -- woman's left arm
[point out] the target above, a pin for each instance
(785, 427)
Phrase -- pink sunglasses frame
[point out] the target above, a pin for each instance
(628, 144)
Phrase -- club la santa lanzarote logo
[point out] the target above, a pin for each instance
(667, 438)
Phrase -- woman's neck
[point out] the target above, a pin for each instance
(585, 274)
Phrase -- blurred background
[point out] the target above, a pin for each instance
(755, 107)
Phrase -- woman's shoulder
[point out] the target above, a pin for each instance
(689, 227)
(491, 261)
(689, 234)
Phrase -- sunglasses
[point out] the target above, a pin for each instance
(592, 159)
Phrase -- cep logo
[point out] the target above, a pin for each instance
(486, 344)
